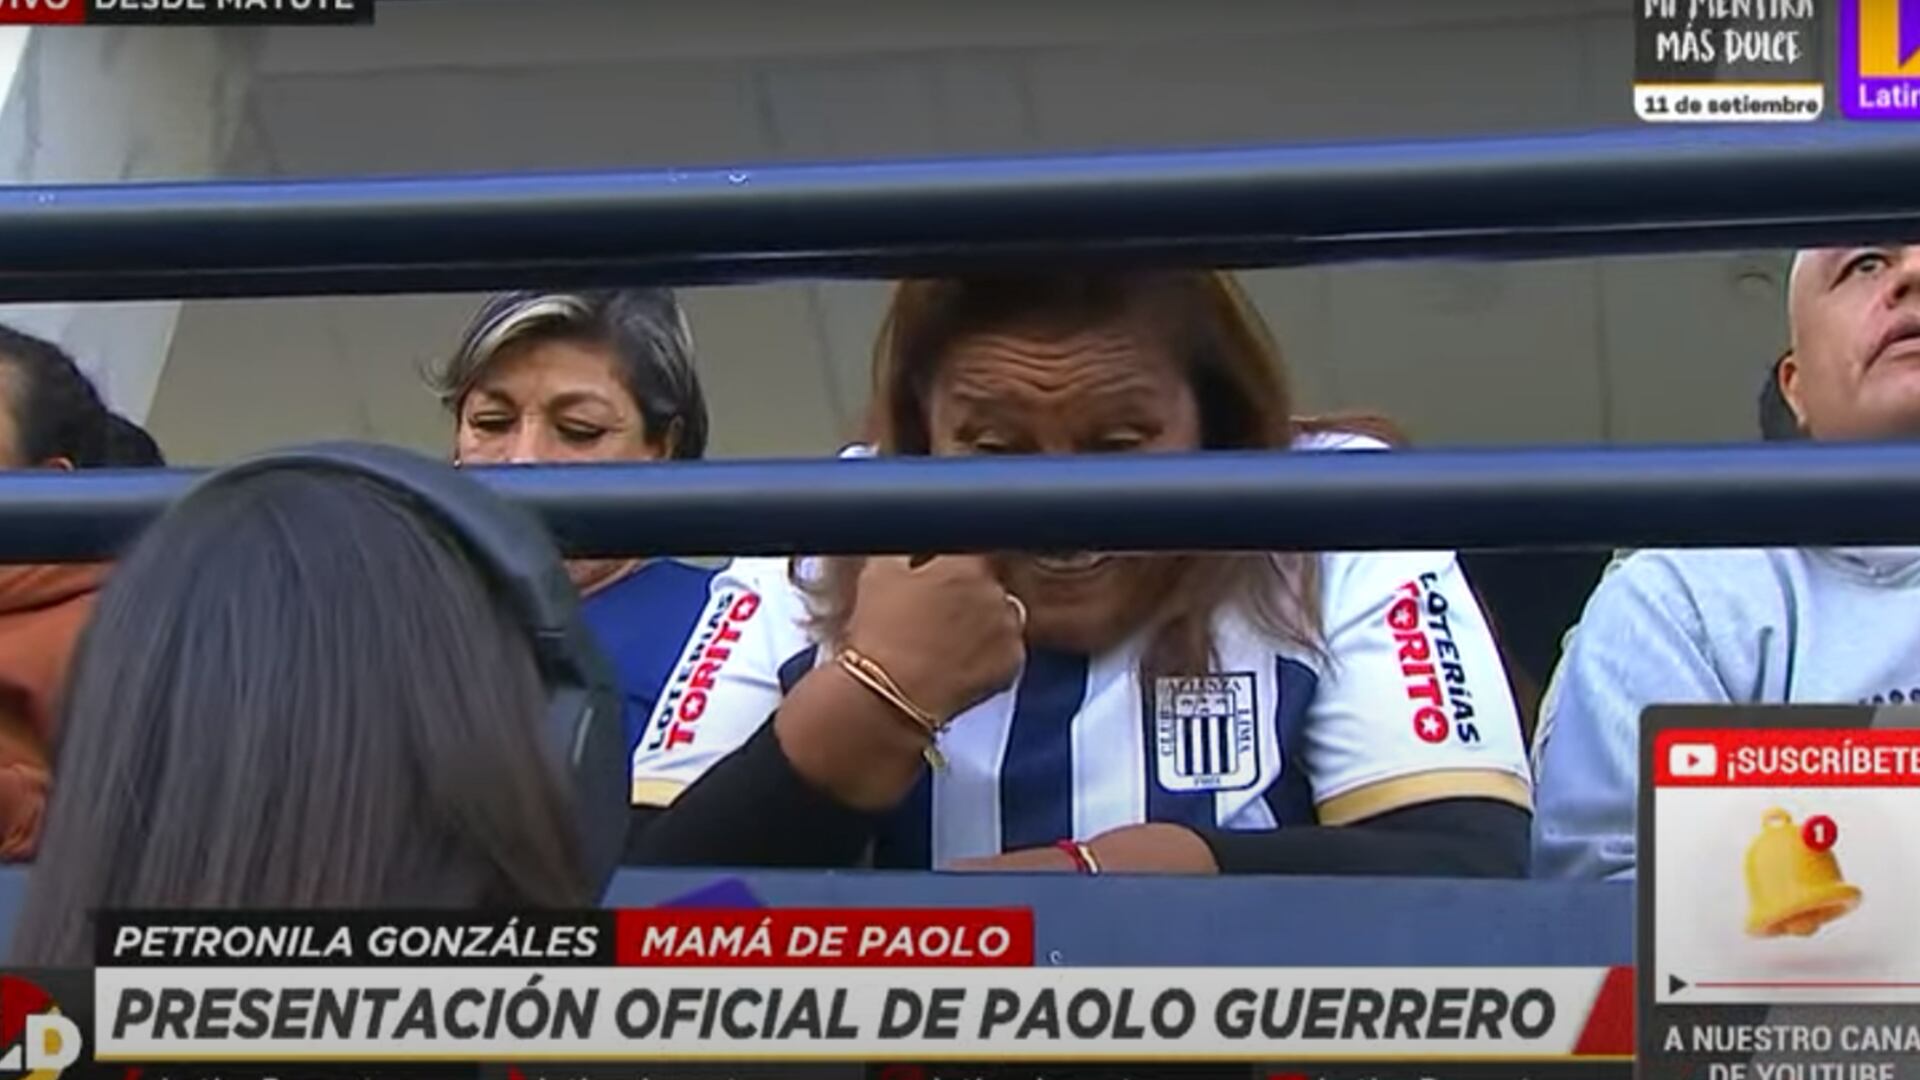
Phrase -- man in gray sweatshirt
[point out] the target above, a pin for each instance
(1746, 625)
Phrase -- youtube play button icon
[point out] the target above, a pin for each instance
(1693, 759)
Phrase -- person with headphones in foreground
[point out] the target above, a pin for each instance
(339, 676)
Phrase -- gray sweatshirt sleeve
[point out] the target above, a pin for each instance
(1640, 642)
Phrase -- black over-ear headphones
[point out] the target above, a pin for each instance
(583, 724)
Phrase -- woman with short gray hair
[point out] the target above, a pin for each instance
(566, 377)
(636, 339)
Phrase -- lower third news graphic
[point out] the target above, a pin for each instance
(1778, 868)
(797, 993)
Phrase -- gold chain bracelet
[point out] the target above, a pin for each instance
(871, 675)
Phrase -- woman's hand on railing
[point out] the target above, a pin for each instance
(1154, 848)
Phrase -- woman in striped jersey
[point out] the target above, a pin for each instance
(1277, 713)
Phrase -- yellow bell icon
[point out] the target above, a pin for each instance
(1794, 887)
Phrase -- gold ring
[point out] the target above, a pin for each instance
(1019, 609)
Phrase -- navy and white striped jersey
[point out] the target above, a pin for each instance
(1411, 705)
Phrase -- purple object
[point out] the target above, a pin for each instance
(725, 893)
(1874, 95)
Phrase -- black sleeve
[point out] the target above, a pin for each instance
(751, 809)
(1447, 838)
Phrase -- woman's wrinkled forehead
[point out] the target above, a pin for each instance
(1098, 361)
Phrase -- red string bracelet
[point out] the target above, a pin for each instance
(1083, 860)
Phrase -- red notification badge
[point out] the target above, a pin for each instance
(1819, 832)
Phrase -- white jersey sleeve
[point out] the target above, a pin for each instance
(727, 681)
(1414, 704)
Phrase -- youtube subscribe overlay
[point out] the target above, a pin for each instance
(1778, 878)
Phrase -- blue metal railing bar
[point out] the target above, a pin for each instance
(1608, 192)
(1466, 499)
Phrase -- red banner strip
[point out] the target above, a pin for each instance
(1609, 1028)
(1787, 757)
(827, 937)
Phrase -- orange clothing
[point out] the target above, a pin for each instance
(42, 611)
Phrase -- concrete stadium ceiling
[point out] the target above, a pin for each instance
(1570, 350)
